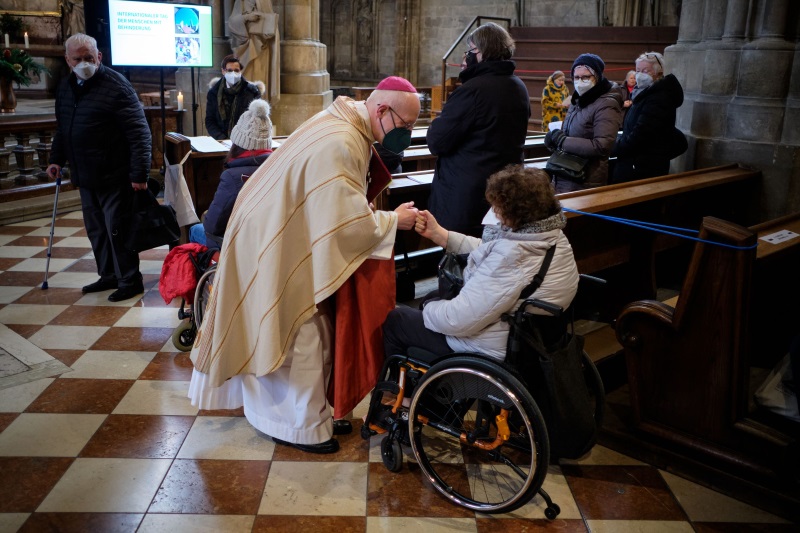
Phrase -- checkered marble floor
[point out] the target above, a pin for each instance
(111, 443)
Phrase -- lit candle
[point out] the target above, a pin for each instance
(27, 43)
(7, 44)
(180, 101)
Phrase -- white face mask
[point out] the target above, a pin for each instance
(643, 80)
(583, 86)
(233, 78)
(84, 70)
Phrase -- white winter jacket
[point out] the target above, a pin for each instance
(497, 271)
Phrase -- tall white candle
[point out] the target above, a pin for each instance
(27, 43)
(7, 44)
(180, 101)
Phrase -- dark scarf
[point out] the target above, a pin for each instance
(230, 96)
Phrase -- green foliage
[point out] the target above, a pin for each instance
(17, 65)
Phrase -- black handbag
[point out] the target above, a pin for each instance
(451, 274)
(568, 166)
(151, 224)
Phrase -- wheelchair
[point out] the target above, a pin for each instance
(184, 334)
(473, 424)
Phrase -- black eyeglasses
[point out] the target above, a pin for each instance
(472, 50)
(404, 124)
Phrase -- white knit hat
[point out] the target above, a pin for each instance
(253, 131)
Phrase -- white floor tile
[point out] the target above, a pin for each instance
(391, 524)
(71, 280)
(156, 398)
(67, 337)
(600, 455)
(58, 231)
(196, 523)
(5, 239)
(705, 505)
(36, 223)
(335, 489)
(16, 399)
(48, 435)
(101, 364)
(148, 266)
(107, 486)
(101, 298)
(232, 438)
(555, 484)
(20, 252)
(39, 264)
(149, 317)
(12, 521)
(73, 242)
(10, 294)
(21, 348)
(30, 314)
(639, 526)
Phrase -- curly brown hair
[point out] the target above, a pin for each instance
(521, 195)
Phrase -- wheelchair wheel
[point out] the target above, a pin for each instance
(392, 454)
(463, 410)
(183, 336)
(202, 293)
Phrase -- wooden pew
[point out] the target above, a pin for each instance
(689, 366)
(417, 158)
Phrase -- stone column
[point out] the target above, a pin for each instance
(741, 78)
(305, 84)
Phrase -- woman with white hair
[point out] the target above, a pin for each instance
(649, 137)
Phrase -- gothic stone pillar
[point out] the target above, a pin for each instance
(305, 83)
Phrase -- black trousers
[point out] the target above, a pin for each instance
(105, 216)
(404, 328)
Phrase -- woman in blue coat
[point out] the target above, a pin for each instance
(251, 139)
(482, 129)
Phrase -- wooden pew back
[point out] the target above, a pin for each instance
(689, 366)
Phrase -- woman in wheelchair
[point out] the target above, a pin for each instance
(473, 426)
(500, 265)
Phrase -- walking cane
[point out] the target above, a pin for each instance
(52, 229)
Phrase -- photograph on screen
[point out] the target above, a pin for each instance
(160, 35)
(187, 20)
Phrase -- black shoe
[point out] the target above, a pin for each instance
(329, 446)
(125, 293)
(342, 427)
(100, 286)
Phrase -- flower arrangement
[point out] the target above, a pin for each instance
(18, 66)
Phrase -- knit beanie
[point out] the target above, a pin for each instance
(253, 131)
(592, 62)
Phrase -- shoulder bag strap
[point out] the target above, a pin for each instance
(539, 277)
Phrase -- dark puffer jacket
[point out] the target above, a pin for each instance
(101, 131)
(649, 137)
(592, 123)
(214, 123)
(230, 183)
(481, 129)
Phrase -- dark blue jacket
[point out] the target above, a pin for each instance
(482, 129)
(230, 183)
(101, 131)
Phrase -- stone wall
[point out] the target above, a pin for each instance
(739, 65)
(360, 52)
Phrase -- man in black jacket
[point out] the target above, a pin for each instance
(228, 97)
(103, 134)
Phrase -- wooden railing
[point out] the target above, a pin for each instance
(22, 166)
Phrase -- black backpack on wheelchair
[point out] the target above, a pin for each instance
(550, 359)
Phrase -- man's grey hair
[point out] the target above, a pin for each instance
(79, 40)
